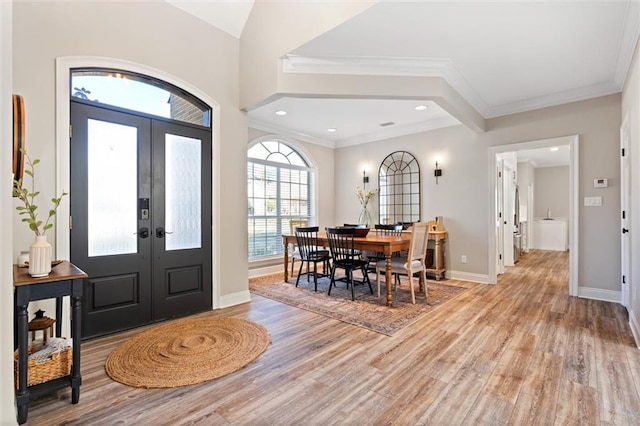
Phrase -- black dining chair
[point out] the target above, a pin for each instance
(295, 254)
(345, 257)
(307, 241)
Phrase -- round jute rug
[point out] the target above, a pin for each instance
(186, 352)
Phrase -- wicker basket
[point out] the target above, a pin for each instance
(59, 365)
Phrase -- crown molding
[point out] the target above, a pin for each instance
(407, 67)
(283, 131)
(397, 131)
(575, 95)
(364, 65)
(627, 45)
(446, 69)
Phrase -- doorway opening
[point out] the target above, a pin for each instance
(515, 200)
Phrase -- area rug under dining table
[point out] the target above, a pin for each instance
(367, 310)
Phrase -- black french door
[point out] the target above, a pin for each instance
(141, 217)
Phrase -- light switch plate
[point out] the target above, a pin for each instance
(593, 201)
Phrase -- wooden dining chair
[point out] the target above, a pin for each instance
(307, 240)
(413, 263)
(344, 256)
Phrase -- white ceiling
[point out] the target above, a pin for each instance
(502, 57)
(355, 120)
(545, 157)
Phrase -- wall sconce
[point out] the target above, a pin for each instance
(437, 172)
(365, 179)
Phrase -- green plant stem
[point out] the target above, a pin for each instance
(28, 200)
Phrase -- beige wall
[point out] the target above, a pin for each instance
(631, 108)
(552, 192)
(462, 195)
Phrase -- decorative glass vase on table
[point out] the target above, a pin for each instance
(365, 217)
(364, 197)
(40, 250)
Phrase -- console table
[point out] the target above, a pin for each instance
(65, 279)
(438, 267)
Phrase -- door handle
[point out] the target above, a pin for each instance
(160, 232)
(142, 232)
(625, 230)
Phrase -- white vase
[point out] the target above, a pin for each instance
(40, 257)
(23, 259)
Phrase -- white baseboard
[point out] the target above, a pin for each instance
(456, 275)
(635, 327)
(235, 298)
(600, 294)
(468, 276)
(266, 270)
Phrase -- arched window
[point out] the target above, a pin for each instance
(138, 92)
(279, 187)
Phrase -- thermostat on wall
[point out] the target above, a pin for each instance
(600, 182)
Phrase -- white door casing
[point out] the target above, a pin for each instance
(625, 222)
(493, 187)
(499, 222)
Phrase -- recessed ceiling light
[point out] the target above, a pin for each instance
(331, 129)
(281, 112)
(554, 149)
(421, 107)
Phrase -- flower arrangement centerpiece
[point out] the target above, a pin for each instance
(364, 197)
(40, 250)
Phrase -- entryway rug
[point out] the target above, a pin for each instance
(367, 310)
(186, 352)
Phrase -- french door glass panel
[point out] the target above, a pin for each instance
(183, 192)
(112, 188)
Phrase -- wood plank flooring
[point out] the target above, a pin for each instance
(520, 352)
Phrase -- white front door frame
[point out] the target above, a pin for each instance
(574, 208)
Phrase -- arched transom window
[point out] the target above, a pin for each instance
(136, 92)
(279, 185)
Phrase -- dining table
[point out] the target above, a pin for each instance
(387, 244)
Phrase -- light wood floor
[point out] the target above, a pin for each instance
(521, 352)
